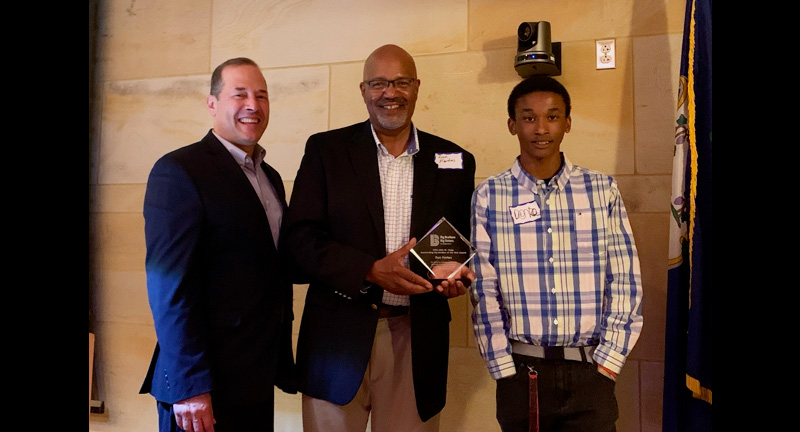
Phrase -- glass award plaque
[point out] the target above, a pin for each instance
(443, 251)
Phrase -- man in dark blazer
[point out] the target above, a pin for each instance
(218, 289)
(374, 335)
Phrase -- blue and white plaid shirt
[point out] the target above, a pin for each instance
(556, 266)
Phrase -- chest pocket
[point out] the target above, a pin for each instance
(586, 226)
(585, 241)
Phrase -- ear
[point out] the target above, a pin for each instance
(512, 126)
(569, 124)
(211, 104)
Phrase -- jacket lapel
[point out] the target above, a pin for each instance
(239, 182)
(425, 175)
(362, 152)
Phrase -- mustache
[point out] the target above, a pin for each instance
(399, 99)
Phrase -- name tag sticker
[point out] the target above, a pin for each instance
(449, 160)
(525, 213)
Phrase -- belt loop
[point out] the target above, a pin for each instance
(586, 353)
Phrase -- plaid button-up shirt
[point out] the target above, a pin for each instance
(556, 266)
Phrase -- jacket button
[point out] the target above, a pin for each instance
(375, 307)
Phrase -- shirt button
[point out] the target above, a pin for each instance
(549, 230)
(553, 290)
(551, 259)
(555, 321)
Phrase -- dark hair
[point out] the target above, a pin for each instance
(536, 83)
(216, 77)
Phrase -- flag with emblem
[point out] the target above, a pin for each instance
(687, 362)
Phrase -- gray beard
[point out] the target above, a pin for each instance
(391, 124)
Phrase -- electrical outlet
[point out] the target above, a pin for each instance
(606, 54)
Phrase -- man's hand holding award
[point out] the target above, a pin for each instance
(446, 253)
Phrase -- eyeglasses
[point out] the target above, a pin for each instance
(377, 85)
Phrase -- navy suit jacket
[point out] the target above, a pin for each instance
(335, 232)
(218, 288)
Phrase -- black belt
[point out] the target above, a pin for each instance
(389, 311)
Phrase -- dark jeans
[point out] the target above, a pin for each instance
(573, 396)
(248, 418)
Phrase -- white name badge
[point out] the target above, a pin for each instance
(449, 160)
(525, 213)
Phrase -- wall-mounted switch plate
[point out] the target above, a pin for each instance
(606, 54)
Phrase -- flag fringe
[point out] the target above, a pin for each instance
(698, 391)
(692, 149)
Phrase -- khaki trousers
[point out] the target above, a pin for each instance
(386, 392)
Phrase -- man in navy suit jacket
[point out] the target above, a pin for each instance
(374, 335)
(218, 288)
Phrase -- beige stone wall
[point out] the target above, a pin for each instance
(155, 58)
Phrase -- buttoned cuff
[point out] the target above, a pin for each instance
(502, 367)
(609, 358)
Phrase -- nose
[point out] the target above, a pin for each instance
(539, 126)
(390, 89)
(251, 103)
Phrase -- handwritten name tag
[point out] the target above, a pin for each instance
(525, 213)
(449, 160)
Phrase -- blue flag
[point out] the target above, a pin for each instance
(687, 360)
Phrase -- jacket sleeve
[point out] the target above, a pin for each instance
(314, 237)
(173, 218)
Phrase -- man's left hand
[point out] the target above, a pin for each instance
(454, 287)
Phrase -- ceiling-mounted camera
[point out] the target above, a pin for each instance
(536, 54)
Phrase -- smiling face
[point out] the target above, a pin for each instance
(241, 110)
(540, 124)
(390, 109)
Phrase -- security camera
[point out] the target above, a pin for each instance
(536, 55)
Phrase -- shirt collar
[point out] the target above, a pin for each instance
(239, 155)
(559, 180)
(562, 177)
(413, 141)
